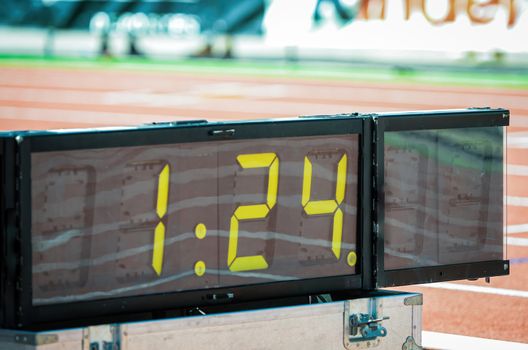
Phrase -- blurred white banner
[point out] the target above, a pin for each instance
(450, 26)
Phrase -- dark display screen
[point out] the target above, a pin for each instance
(443, 196)
(130, 221)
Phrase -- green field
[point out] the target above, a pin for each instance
(447, 75)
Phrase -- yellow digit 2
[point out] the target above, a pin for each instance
(161, 210)
(255, 211)
(330, 206)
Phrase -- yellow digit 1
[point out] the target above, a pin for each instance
(330, 206)
(255, 211)
(161, 210)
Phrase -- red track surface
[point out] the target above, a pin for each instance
(38, 98)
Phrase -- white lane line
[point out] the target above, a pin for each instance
(518, 241)
(477, 289)
(519, 122)
(518, 170)
(517, 201)
(517, 141)
(87, 117)
(521, 228)
(443, 341)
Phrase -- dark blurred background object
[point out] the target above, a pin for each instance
(212, 19)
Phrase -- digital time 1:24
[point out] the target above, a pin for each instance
(271, 161)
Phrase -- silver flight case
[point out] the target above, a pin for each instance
(382, 321)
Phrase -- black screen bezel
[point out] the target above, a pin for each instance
(20, 313)
(427, 121)
(68, 313)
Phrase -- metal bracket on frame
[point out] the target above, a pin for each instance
(363, 330)
(34, 339)
(105, 337)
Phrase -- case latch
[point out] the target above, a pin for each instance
(363, 326)
(367, 327)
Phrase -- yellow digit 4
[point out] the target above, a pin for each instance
(255, 211)
(161, 210)
(330, 206)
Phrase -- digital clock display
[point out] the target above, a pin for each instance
(443, 196)
(139, 220)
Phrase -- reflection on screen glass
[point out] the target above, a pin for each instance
(443, 197)
(131, 221)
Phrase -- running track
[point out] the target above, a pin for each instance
(44, 98)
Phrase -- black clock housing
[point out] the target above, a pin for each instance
(103, 225)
